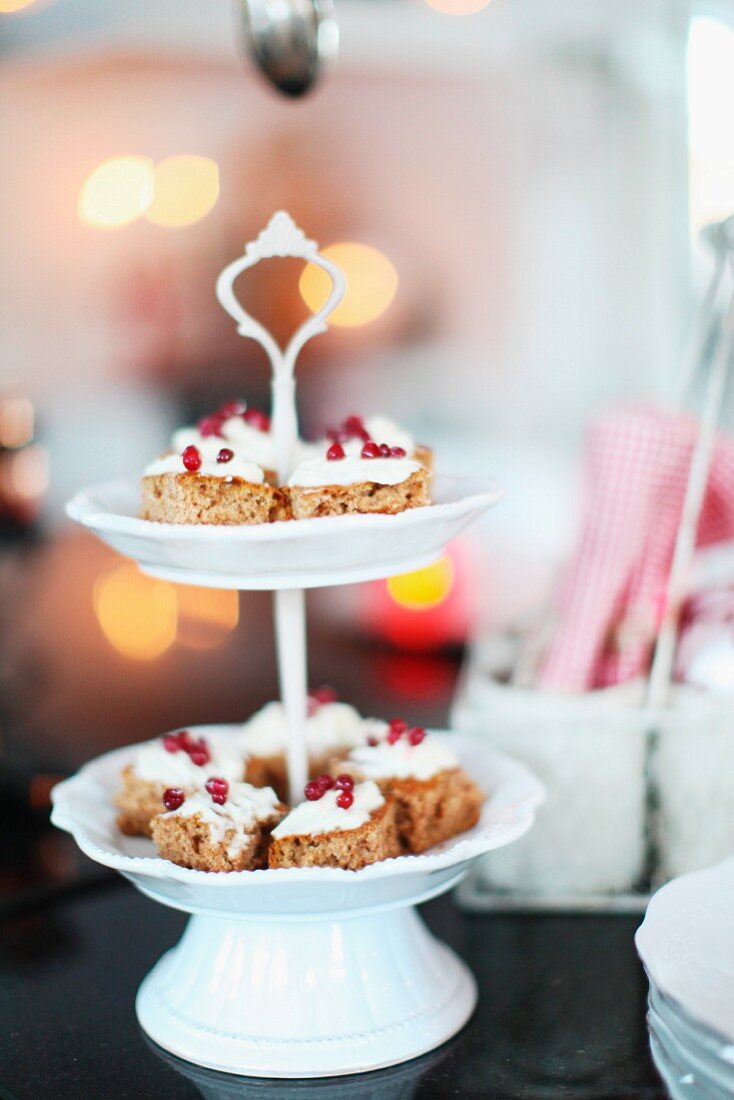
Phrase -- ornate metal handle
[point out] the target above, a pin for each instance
(281, 237)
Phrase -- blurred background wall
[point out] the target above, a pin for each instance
(533, 175)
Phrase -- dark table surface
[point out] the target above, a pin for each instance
(561, 1010)
(562, 998)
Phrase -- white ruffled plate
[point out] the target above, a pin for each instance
(307, 553)
(83, 807)
(687, 947)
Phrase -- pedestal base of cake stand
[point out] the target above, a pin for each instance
(314, 996)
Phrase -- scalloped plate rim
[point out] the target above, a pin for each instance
(456, 852)
(81, 509)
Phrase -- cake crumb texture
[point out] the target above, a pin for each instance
(192, 499)
(428, 812)
(188, 841)
(350, 849)
(367, 496)
(138, 801)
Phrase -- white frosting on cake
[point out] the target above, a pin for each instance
(254, 445)
(155, 764)
(332, 726)
(324, 816)
(315, 473)
(238, 466)
(382, 430)
(402, 760)
(248, 442)
(245, 806)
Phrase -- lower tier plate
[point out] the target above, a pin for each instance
(83, 806)
(308, 553)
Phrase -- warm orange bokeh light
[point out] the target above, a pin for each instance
(205, 615)
(14, 5)
(372, 282)
(117, 192)
(424, 588)
(186, 188)
(458, 7)
(17, 419)
(138, 614)
(28, 473)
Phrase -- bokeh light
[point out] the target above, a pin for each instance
(7, 6)
(185, 189)
(28, 473)
(710, 136)
(117, 192)
(372, 282)
(137, 614)
(205, 615)
(16, 422)
(458, 7)
(424, 588)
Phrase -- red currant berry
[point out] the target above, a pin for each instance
(416, 735)
(398, 725)
(218, 788)
(173, 797)
(210, 425)
(225, 455)
(384, 450)
(344, 799)
(370, 450)
(397, 452)
(257, 419)
(313, 791)
(344, 782)
(199, 752)
(372, 742)
(172, 742)
(393, 737)
(324, 694)
(191, 457)
(325, 781)
(335, 452)
(354, 425)
(231, 408)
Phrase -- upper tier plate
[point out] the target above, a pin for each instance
(307, 553)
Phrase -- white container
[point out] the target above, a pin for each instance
(590, 752)
(635, 797)
(693, 778)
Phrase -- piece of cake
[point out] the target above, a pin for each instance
(247, 428)
(175, 760)
(376, 478)
(434, 797)
(220, 827)
(332, 730)
(212, 484)
(341, 824)
(355, 431)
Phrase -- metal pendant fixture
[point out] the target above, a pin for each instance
(290, 40)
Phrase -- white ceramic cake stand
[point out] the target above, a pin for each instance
(305, 972)
(302, 972)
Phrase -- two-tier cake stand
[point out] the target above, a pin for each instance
(303, 972)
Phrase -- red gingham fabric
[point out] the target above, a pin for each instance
(610, 598)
